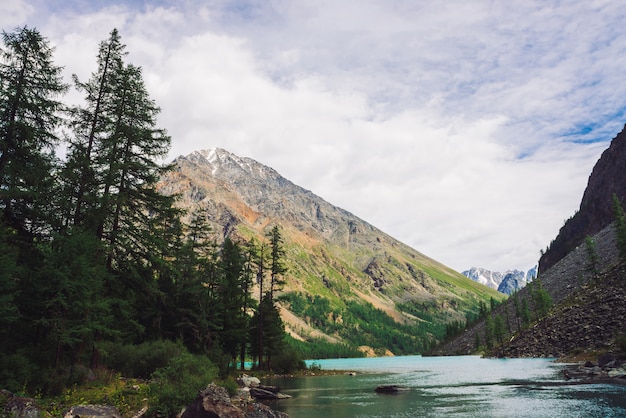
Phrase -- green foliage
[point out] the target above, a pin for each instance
(499, 329)
(177, 384)
(139, 360)
(525, 312)
(73, 313)
(620, 224)
(489, 332)
(542, 300)
(319, 348)
(288, 361)
(230, 385)
(8, 283)
(476, 341)
(277, 263)
(29, 117)
(592, 255)
(18, 372)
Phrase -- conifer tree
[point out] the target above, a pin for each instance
(9, 313)
(232, 299)
(499, 328)
(592, 255)
(194, 305)
(620, 226)
(259, 254)
(277, 263)
(91, 124)
(111, 174)
(73, 315)
(541, 299)
(525, 312)
(489, 331)
(30, 85)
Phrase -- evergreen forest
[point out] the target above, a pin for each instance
(98, 269)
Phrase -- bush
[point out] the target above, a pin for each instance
(288, 361)
(140, 360)
(230, 385)
(17, 372)
(177, 384)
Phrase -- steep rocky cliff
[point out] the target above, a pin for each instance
(596, 212)
(336, 261)
(589, 297)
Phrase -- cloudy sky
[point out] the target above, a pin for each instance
(466, 129)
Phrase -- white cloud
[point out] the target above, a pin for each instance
(14, 14)
(447, 125)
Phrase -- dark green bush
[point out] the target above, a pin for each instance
(140, 360)
(230, 385)
(17, 372)
(177, 384)
(288, 361)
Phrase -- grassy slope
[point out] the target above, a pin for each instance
(420, 294)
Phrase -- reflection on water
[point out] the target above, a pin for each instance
(467, 386)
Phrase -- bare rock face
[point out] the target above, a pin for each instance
(596, 208)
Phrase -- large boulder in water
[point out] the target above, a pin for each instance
(391, 389)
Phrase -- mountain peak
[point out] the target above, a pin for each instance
(225, 164)
(335, 259)
(507, 282)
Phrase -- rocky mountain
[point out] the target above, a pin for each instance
(596, 206)
(507, 282)
(589, 297)
(484, 276)
(344, 275)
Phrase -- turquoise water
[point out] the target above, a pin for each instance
(467, 386)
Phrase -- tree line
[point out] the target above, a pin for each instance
(90, 252)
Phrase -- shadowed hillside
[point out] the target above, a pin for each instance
(578, 301)
(596, 206)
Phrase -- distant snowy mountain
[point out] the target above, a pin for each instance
(507, 282)
(484, 276)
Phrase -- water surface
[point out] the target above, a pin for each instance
(467, 386)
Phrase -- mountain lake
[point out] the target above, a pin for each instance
(464, 386)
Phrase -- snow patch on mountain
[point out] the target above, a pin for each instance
(507, 282)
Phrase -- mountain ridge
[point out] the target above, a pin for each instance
(596, 207)
(583, 281)
(334, 257)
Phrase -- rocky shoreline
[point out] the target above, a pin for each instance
(212, 401)
(609, 369)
